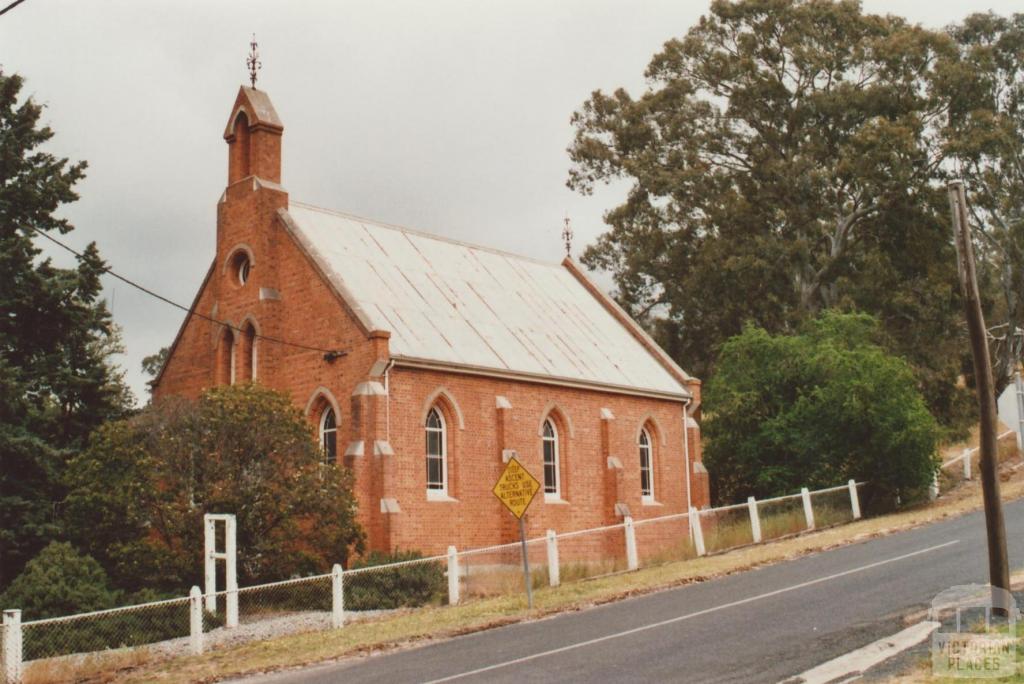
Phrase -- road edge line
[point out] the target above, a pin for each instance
(864, 658)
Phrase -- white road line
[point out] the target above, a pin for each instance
(689, 616)
(856, 662)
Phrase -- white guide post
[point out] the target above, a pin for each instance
(195, 614)
(453, 576)
(805, 494)
(933, 488)
(337, 597)
(554, 577)
(209, 563)
(231, 572)
(632, 562)
(967, 464)
(697, 531)
(854, 500)
(13, 670)
(1019, 386)
(755, 519)
(230, 558)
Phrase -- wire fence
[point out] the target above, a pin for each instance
(201, 622)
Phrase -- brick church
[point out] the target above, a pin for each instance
(454, 357)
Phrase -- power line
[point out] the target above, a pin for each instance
(7, 9)
(329, 354)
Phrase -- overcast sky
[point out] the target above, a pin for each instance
(448, 116)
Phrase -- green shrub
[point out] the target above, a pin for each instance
(407, 586)
(139, 492)
(814, 410)
(59, 581)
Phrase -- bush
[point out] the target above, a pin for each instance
(138, 494)
(814, 410)
(407, 586)
(59, 581)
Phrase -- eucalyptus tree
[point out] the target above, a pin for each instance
(782, 160)
(984, 139)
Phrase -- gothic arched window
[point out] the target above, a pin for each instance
(437, 453)
(646, 466)
(552, 477)
(329, 435)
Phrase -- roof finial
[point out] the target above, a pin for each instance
(567, 236)
(253, 61)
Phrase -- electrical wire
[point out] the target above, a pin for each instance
(7, 9)
(329, 354)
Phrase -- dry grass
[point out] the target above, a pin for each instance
(675, 567)
(100, 667)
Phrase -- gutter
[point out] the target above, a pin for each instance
(539, 378)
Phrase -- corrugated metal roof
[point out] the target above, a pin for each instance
(453, 303)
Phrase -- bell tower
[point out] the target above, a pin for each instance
(253, 135)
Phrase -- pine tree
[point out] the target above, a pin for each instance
(56, 335)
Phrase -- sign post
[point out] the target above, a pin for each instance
(515, 489)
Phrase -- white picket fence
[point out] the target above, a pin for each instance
(183, 625)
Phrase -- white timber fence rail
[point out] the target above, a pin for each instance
(211, 618)
(964, 459)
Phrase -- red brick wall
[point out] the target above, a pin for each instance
(476, 517)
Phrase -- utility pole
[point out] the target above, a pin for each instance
(998, 564)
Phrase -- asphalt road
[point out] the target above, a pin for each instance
(763, 625)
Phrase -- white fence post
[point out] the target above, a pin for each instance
(854, 500)
(698, 532)
(632, 562)
(755, 519)
(195, 605)
(808, 511)
(453, 576)
(210, 563)
(337, 597)
(967, 464)
(554, 575)
(933, 488)
(231, 570)
(12, 647)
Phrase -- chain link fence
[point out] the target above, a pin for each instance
(109, 629)
(374, 588)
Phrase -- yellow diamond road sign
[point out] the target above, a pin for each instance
(516, 488)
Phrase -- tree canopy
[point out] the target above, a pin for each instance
(782, 161)
(56, 336)
(815, 409)
(984, 139)
(138, 494)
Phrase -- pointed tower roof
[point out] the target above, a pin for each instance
(258, 109)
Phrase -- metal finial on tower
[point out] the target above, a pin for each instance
(253, 61)
(567, 237)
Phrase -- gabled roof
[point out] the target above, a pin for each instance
(453, 304)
